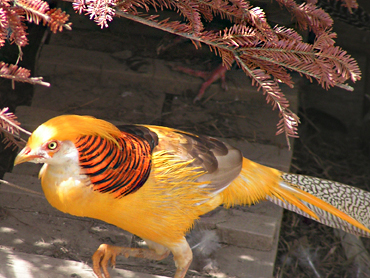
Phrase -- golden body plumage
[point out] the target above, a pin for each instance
(156, 181)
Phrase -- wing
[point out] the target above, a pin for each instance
(221, 162)
(123, 169)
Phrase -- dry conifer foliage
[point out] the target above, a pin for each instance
(266, 54)
(13, 15)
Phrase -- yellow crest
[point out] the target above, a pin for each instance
(70, 127)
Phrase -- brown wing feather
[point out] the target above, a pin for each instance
(221, 162)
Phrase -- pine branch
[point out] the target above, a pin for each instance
(241, 12)
(10, 128)
(56, 19)
(265, 54)
(13, 14)
(37, 10)
(4, 25)
(228, 52)
(308, 16)
(20, 74)
(17, 28)
(100, 11)
(234, 11)
(190, 10)
(289, 121)
(328, 64)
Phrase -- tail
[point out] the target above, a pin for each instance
(331, 203)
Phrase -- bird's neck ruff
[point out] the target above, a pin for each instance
(117, 170)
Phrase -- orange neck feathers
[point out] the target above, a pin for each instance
(119, 171)
(116, 162)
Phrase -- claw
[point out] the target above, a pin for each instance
(101, 258)
(106, 253)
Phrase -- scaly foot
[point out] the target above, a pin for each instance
(106, 253)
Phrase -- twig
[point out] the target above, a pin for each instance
(22, 188)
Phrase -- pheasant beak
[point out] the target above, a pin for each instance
(26, 155)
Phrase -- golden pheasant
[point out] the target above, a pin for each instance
(155, 182)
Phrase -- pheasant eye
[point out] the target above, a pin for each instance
(52, 145)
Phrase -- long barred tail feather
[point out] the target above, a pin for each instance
(328, 202)
(352, 203)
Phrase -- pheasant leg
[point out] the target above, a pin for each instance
(106, 253)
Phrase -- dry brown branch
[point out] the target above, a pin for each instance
(266, 54)
(13, 14)
(267, 61)
(10, 128)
